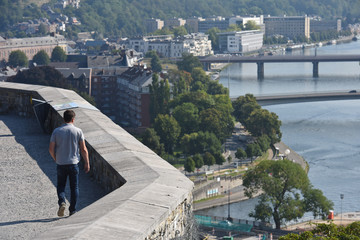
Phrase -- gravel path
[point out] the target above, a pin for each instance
(28, 200)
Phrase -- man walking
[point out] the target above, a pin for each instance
(67, 142)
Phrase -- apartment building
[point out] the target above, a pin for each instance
(104, 89)
(31, 46)
(240, 42)
(193, 24)
(318, 25)
(218, 22)
(152, 25)
(174, 22)
(133, 97)
(196, 43)
(292, 26)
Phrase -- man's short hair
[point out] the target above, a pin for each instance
(69, 115)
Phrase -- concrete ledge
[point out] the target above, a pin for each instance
(148, 197)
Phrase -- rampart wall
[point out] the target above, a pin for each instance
(148, 198)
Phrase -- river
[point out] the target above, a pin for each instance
(326, 134)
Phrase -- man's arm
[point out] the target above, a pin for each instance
(85, 155)
(52, 150)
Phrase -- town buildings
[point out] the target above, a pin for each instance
(197, 44)
(240, 42)
(31, 46)
(288, 26)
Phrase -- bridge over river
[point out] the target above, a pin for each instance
(307, 97)
(261, 60)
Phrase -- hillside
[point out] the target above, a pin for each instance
(126, 17)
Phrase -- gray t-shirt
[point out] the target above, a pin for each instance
(67, 138)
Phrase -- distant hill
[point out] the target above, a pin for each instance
(126, 17)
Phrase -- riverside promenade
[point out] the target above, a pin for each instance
(28, 199)
(237, 193)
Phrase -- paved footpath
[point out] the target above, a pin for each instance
(28, 200)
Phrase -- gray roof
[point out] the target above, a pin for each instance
(76, 72)
(105, 61)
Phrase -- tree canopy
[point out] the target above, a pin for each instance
(119, 18)
(18, 58)
(58, 55)
(328, 231)
(41, 58)
(286, 192)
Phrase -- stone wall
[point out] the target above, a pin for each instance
(148, 198)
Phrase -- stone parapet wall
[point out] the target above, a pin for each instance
(148, 198)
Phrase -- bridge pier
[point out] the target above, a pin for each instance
(315, 69)
(260, 70)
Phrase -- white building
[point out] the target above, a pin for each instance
(243, 20)
(240, 42)
(196, 43)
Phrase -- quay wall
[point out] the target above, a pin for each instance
(148, 198)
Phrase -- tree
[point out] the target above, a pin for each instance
(188, 62)
(199, 162)
(168, 129)
(243, 106)
(283, 185)
(41, 58)
(213, 37)
(240, 154)
(253, 150)
(251, 25)
(200, 142)
(187, 115)
(189, 164)
(152, 140)
(58, 55)
(209, 159)
(155, 63)
(180, 31)
(264, 142)
(329, 231)
(263, 122)
(18, 58)
(219, 158)
(159, 96)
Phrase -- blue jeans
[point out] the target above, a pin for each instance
(63, 171)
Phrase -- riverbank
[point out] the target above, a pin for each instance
(237, 193)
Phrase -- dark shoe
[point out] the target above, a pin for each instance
(61, 210)
(72, 213)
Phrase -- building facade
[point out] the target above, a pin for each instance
(318, 25)
(31, 46)
(133, 97)
(174, 22)
(152, 25)
(197, 44)
(193, 24)
(240, 42)
(292, 26)
(218, 22)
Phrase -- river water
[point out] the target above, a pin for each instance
(326, 134)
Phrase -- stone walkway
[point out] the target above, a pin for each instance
(28, 200)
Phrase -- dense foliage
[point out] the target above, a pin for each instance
(329, 231)
(126, 17)
(286, 192)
